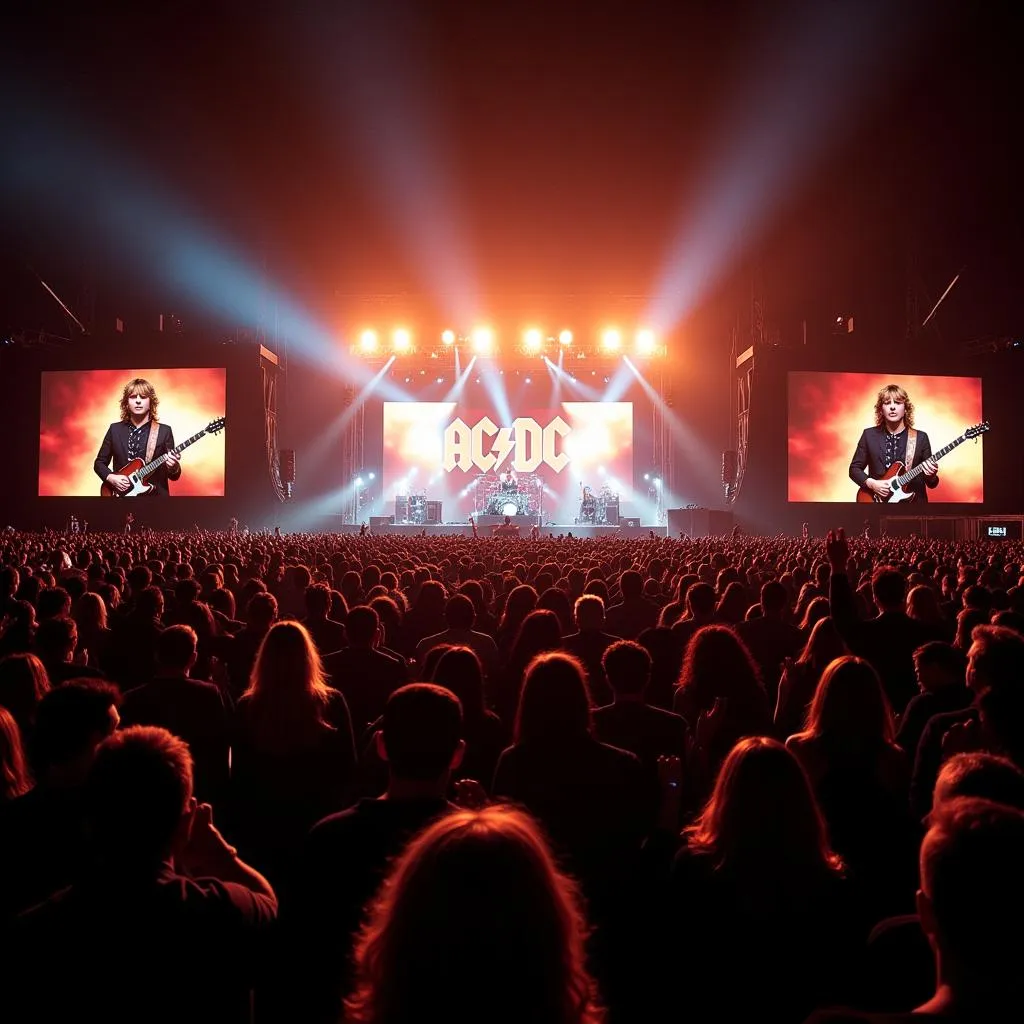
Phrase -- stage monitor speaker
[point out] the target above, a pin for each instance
(611, 513)
(699, 522)
(402, 508)
(378, 523)
(630, 522)
(433, 512)
(286, 458)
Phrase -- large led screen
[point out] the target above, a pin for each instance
(835, 432)
(78, 407)
(540, 461)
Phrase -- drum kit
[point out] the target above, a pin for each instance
(498, 496)
(598, 509)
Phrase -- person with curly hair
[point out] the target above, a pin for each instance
(893, 439)
(138, 435)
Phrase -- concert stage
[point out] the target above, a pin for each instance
(546, 531)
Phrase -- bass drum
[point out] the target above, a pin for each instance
(516, 504)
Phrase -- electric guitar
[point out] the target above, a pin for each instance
(898, 479)
(137, 472)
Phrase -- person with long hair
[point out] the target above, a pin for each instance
(293, 753)
(721, 695)
(459, 670)
(475, 922)
(138, 435)
(520, 602)
(90, 614)
(799, 679)
(893, 439)
(591, 797)
(23, 684)
(758, 893)
(15, 780)
(539, 632)
(861, 778)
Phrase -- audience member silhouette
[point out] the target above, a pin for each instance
(475, 922)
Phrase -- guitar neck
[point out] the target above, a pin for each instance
(914, 473)
(161, 459)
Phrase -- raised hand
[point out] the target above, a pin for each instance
(837, 550)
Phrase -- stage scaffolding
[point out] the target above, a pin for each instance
(353, 456)
(271, 372)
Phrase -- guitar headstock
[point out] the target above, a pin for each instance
(977, 430)
(216, 426)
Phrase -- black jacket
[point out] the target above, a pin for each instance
(869, 460)
(115, 445)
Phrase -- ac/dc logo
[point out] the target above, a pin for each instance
(487, 446)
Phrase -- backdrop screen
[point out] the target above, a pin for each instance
(457, 454)
(829, 412)
(77, 407)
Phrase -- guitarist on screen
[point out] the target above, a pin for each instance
(139, 435)
(892, 439)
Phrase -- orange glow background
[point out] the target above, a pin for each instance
(828, 412)
(77, 406)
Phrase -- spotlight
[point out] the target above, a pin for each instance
(359, 481)
(565, 338)
(483, 339)
(529, 380)
(612, 340)
(373, 476)
(645, 343)
(368, 341)
(440, 380)
(448, 337)
(647, 476)
(402, 340)
(532, 340)
(408, 380)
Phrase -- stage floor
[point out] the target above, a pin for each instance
(465, 530)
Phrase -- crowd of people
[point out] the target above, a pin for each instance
(321, 777)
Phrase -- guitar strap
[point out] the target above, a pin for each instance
(154, 429)
(911, 447)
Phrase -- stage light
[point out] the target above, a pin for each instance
(483, 339)
(646, 344)
(408, 380)
(647, 476)
(510, 508)
(368, 341)
(529, 380)
(440, 380)
(657, 481)
(402, 340)
(612, 340)
(448, 337)
(565, 338)
(359, 481)
(373, 476)
(532, 340)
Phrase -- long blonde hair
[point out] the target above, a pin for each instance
(894, 391)
(475, 922)
(139, 386)
(288, 688)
